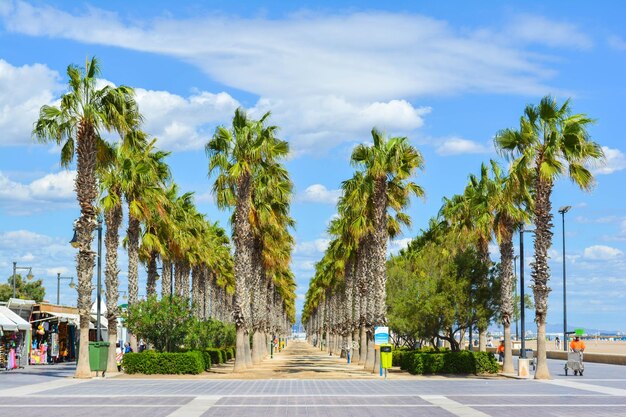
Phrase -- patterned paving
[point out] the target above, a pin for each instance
(51, 392)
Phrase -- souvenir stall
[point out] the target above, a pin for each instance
(14, 340)
(54, 334)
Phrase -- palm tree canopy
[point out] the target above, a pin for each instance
(551, 141)
(108, 108)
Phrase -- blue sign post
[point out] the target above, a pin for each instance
(381, 336)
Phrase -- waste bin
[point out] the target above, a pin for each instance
(386, 357)
(98, 356)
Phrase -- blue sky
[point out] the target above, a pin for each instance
(447, 75)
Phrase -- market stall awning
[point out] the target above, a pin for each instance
(10, 321)
(66, 317)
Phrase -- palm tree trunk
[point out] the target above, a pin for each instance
(166, 279)
(355, 352)
(186, 270)
(113, 220)
(506, 302)
(540, 271)
(243, 240)
(371, 353)
(86, 194)
(196, 299)
(152, 274)
(378, 260)
(133, 268)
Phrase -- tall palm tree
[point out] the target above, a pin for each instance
(551, 142)
(143, 175)
(77, 123)
(235, 154)
(512, 202)
(388, 165)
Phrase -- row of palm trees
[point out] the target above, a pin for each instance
(346, 297)
(550, 142)
(251, 180)
(163, 225)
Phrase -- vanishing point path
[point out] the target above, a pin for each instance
(302, 381)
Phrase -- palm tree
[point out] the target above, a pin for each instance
(143, 176)
(388, 165)
(236, 154)
(511, 207)
(551, 142)
(83, 113)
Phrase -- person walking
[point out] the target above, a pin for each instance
(500, 351)
(558, 343)
(119, 355)
(577, 345)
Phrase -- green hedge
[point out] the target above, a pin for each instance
(229, 353)
(217, 355)
(463, 362)
(151, 362)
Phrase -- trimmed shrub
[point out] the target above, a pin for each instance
(230, 353)
(150, 362)
(486, 363)
(216, 355)
(463, 362)
(207, 359)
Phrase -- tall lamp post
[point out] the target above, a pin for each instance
(564, 210)
(29, 276)
(74, 243)
(515, 296)
(521, 290)
(59, 278)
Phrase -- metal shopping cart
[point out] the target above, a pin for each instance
(575, 363)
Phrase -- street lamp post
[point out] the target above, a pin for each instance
(564, 210)
(59, 278)
(521, 291)
(15, 268)
(99, 285)
(515, 295)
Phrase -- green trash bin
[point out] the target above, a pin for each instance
(98, 356)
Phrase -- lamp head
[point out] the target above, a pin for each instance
(74, 241)
(30, 275)
(564, 209)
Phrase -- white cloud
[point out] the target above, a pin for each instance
(49, 191)
(315, 124)
(602, 253)
(615, 161)
(617, 43)
(538, 29)
(313, 247)
(184, 123)
(23, 90)
(317, 193)
(459, 146)
(327, 78)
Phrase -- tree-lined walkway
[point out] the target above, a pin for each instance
(299, 360)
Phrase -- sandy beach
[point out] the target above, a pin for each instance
(592, 346)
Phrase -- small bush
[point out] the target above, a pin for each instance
(230, 353)
(486, 363)
(150, 362)
(207, 359)
(464, 362)
(216, 355)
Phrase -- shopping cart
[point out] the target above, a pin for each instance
(575, 363)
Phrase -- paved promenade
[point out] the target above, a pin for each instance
(49, 391)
